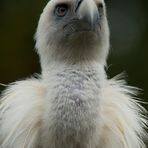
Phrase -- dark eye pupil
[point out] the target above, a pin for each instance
(61, 10)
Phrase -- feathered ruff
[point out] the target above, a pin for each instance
(22, 105)
(123, 119)
(21, 108)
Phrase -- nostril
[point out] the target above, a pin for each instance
(78, 4)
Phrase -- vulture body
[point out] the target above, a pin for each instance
(72, 104)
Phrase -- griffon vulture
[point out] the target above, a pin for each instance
(72, 104)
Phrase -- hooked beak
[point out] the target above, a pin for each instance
(86, 18)
(88, 13)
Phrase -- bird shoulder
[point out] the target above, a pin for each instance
(21, 108)
(122, 116)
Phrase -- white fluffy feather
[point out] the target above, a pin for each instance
(73, 105)
(22, 107)
(124, 120)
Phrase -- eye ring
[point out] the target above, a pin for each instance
(61, 10)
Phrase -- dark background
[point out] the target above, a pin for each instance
(128, 20)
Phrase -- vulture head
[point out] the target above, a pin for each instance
(73, 31)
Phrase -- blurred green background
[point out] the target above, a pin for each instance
(128, 20)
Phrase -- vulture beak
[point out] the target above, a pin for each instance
(87, 13)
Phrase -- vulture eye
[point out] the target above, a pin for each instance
(100, 8)
(61, 10)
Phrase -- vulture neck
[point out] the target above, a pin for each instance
(55, 68)
(53, 63)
